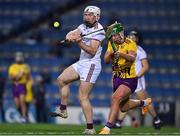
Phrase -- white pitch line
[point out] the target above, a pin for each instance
(72, 133)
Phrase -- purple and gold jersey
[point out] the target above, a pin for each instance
(19, 69)
(120, 66)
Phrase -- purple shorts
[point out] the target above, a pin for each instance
(19, 89)
(129, 82)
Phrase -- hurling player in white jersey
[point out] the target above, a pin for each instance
(87, 69)
(141, 67)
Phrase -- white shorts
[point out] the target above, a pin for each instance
(88, 72)
(141, 84)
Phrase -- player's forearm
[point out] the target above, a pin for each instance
(14, 78)
(128, 57)
(86, 48)
(145, 67)
(142, 71)
(31, 79)
(11, 77)
(28, 76)
(107, 58)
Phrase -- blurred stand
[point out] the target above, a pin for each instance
(56, 50)
(112, 18)
(2, 86)
(45, 74)
(34, 38)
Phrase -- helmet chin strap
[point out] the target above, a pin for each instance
(88, 24)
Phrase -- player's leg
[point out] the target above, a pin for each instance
(121, 93)
(157, 122)
(21, 88)
(141, 87)
(120, 118)
(68, 75)
(134, 121)
(17, 103)
(88, 77)
(84, 94)
(27, 108)
(16, 98)
(120, 99)
(23, 107)
(142, 94)
(129, 104)
(122, 90)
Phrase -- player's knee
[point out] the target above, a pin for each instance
(116, 98)
(61, 81)
(83, 98)
(22, 98)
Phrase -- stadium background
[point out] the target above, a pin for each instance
(27, 26)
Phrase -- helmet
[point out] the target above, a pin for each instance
(114, 29)
(19, 56)
(137, 34)
(95, 10)
(133, 32)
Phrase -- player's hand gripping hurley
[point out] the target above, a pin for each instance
(112, 30)
(82, 35)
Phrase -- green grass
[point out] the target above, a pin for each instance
(52, 129)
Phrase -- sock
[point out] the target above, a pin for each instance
(142, 103)
(156, 118)
(19, 110)
(89, 125)
(109, 125)
(62, 107)
(119, 121)
(133, 118)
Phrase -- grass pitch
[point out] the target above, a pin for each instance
(52, 129)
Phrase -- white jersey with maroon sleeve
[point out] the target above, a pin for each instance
(98, 35)
(89, 67)
(141, 54)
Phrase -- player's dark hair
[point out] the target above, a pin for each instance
(137, 34)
